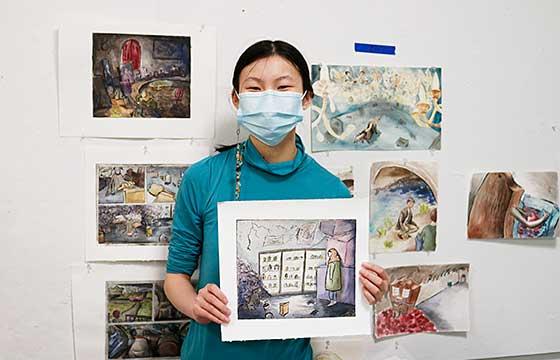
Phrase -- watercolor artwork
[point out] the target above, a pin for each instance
(135, 202)
(290, 271)
(141, 76)
(144, 81)
(513, 205)
(142, 322)
(424, 299)
(403, 206)
(295, 268)
(121, 311)
(376, 108)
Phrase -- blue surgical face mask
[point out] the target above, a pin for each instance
(270, 115)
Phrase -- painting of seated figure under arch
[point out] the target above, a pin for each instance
(403, 206)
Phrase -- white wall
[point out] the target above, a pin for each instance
(500, 93)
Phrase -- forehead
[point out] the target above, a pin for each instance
(269, 68)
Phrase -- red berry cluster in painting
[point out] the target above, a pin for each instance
(411, 322)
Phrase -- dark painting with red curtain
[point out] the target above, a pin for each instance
(131, 53)
(128, 70)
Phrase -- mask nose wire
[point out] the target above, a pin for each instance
(302, 95)
(237, 94)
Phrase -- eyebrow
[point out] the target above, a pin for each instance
(253, 78)
(285, 77)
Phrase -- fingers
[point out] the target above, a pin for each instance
(215, 290)
(203, 315)
(210, 301)
(371, 276)
(209, 307)
(370, 299)
(372, 290)
(375, 282)
(216, 302)
(377, 269)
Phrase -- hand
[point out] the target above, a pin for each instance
(375, 282)
(210, 306)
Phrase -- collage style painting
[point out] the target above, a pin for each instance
(509, 205)
(141, 76)
(403, 206)
(424, 298)
(376, 108)
(296, 268)
(135, 202)
(142, 322)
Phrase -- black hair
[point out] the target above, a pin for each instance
(266, 48)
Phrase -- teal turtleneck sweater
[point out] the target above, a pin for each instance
(195, 234)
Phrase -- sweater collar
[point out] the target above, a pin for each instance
(255, 159)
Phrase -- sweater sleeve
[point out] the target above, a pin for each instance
(186, 237)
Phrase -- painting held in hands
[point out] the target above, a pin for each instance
(295, 268)
(424, 298)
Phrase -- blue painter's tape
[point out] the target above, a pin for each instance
(374, 49)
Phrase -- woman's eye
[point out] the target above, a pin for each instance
(253, 88)
(284, 87)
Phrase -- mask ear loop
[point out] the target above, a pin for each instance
(303, 97)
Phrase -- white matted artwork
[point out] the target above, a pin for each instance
(137, 81)
(130, 199)
(289, 268)
(117, 307)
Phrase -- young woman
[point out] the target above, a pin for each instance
(271, 89)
